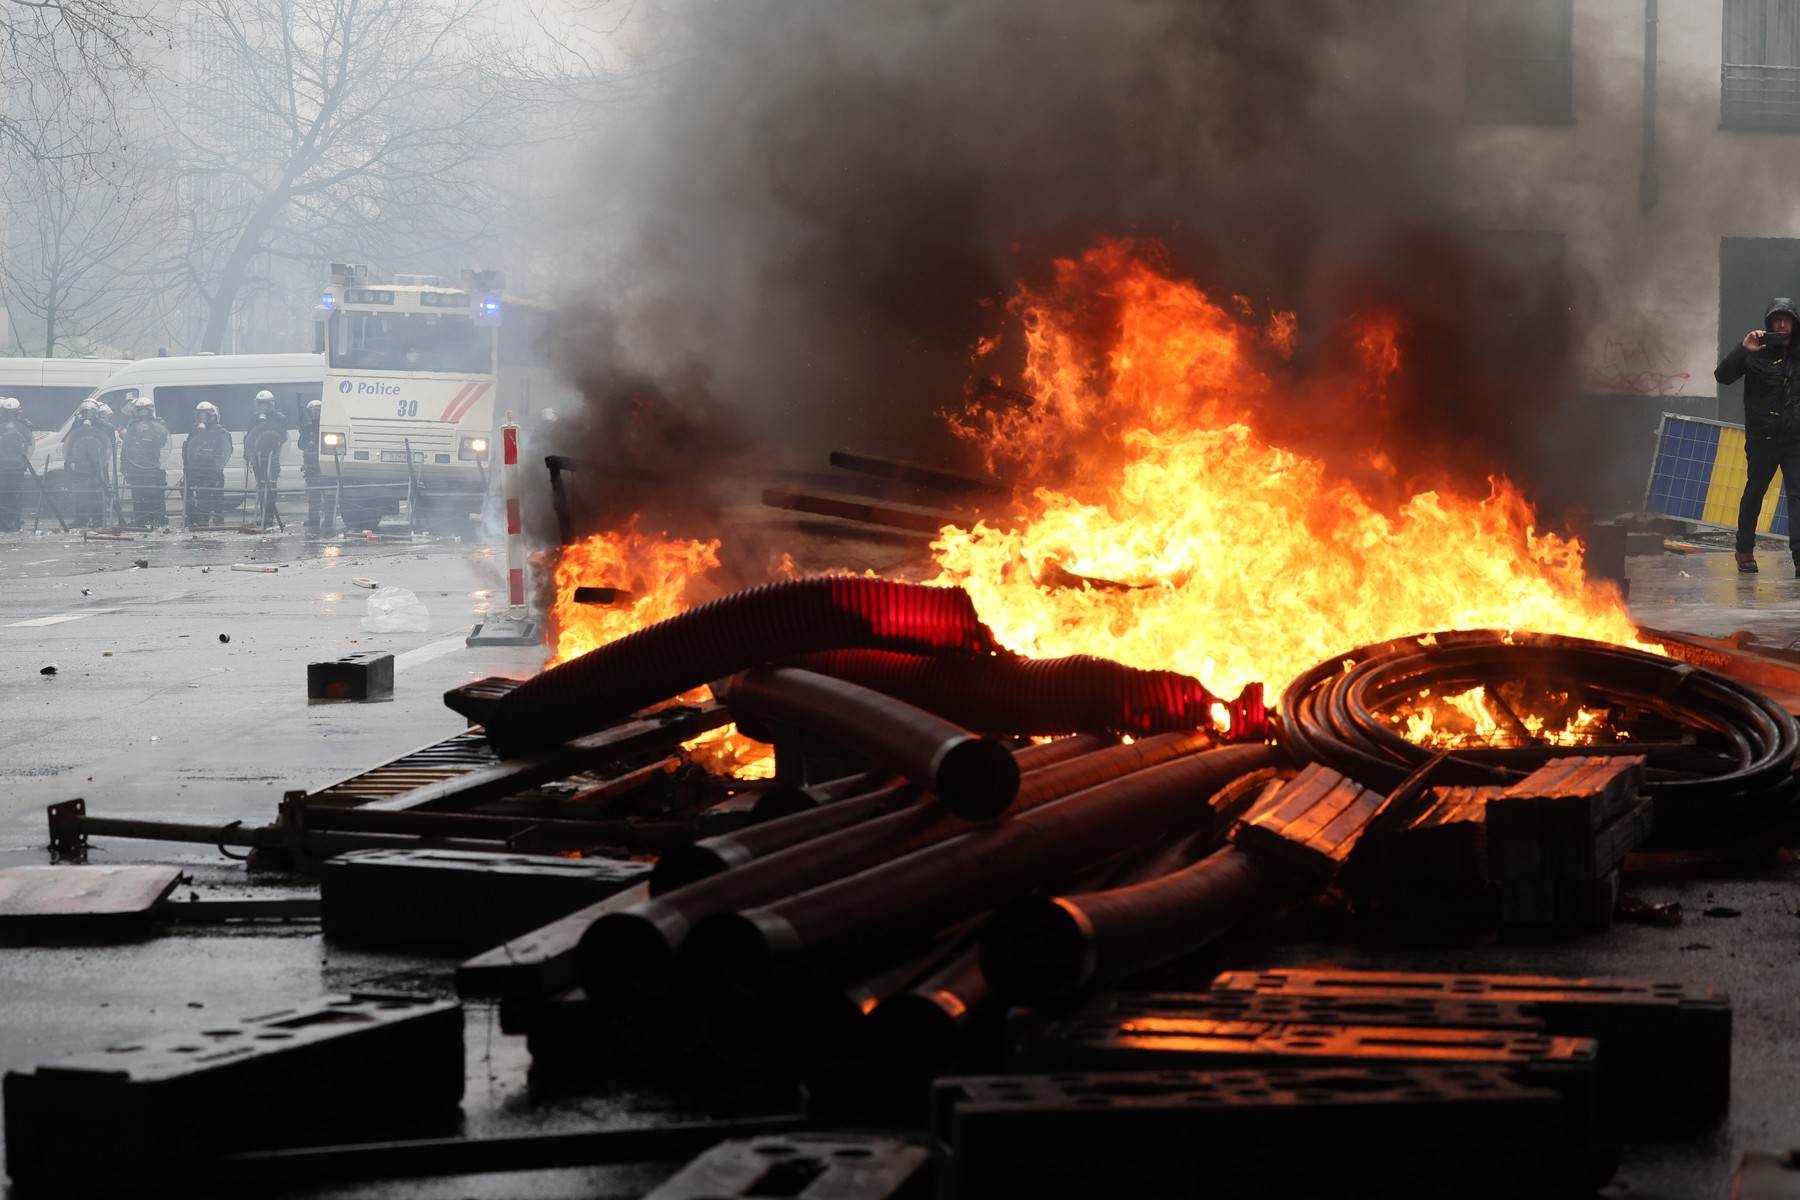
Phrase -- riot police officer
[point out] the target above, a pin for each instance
(15, 454)
(145, 439)
(203, 458)
(262, 450)
(321, 494)
(87, 456)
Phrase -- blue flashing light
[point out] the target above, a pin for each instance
(327, 301)
(490, 308)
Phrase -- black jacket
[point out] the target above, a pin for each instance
(15, 443)
(1771, 384)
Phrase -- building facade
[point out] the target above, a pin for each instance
(1652, 149)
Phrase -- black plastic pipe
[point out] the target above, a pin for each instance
(635, 949)
(972, 776)
(709, 856)
(1048, 950)
(911, 896)
(732, 633)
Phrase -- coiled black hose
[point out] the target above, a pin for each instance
(732, 633)
(1733, 772)
(1076, 694)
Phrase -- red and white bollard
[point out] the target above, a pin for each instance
(518, 629)
(515, 526)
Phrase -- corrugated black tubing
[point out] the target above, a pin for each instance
(730, 634)
(1076, 694)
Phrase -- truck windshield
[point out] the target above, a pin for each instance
(392, 341)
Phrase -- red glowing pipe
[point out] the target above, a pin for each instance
(1080, 693)
(732, 633)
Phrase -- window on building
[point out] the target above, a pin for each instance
(1759, 84)
(1519, 62)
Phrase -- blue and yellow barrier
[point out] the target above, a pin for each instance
(1698, 475)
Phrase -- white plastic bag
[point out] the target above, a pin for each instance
(396, 610)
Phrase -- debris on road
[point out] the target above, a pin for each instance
(255, 568)
(47, 670)
(1635, 910)
(142, 563)
(396, 610)
(363, 581)
(224, 637)
(367, 675)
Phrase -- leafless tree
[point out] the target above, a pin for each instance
(66, 57)
(314, 128)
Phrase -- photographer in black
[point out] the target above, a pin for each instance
(1765, 361)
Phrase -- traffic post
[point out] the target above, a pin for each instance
(518, 628)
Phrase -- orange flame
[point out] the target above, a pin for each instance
(653, 576)
(1196, 545)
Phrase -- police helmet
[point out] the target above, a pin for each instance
(144, 405)
(206, 408)
(265, 397)
(315, 405)
(549, 414)
(9, 404)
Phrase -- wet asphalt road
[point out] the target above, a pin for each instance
(150, 713)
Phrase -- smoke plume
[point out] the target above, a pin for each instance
(818, 208)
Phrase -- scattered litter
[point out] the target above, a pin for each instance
(206, 570)
(1638, 911)
(1696, 946)
(87, 591)
(1720, 910)
(106, 654)
(396, 610)
(224, 637)
(156, 737)
(363, 581)
(255, 568)
(47, 670)
(194, 685)
(140, 562)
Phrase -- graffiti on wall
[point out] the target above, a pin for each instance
(1635, 366)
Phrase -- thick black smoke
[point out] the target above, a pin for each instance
(819, 206)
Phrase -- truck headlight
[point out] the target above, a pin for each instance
(333, 442)
(473, 448)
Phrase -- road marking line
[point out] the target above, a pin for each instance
(58, 619)
(427, 652)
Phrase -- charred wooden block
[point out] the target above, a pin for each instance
(1308, 827)
(1137, 1042)
(1550, 904)
(458, 900)
(1445, 843)
(1665, 1047)
(1570, 797)
(1476, 1131)
(366, 1064)
(821, 1166)
(366, 676)
(476, 701)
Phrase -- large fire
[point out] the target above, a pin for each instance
(1165, 530)
(651, 578)
(1222, 555)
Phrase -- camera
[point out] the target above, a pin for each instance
(1777, 339)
